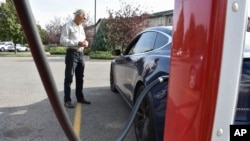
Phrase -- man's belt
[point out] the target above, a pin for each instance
(73, 49)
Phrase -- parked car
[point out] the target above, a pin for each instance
(2, 47)
(7, 46)
(20, 47)
(146, 58)
(243, 105)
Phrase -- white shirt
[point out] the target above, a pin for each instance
(71, 35)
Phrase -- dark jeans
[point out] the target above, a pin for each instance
(74, 65)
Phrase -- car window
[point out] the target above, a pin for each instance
(131, 51)
(161, 40)
(145, 43)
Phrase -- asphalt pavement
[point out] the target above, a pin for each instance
(26, 113)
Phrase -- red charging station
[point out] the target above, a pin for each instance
(208, 37)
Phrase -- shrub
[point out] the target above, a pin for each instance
(101, 55)
(87, 51)
(57, 50)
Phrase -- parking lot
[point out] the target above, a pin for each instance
(26, 114)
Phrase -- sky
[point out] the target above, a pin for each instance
(45, 11)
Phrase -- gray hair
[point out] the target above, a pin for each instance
(80, 12)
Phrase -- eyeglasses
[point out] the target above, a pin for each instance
(84, 18)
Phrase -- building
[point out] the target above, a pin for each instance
(164, 18)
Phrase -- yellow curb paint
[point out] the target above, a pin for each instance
(77, 120)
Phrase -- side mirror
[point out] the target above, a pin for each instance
(116, 52)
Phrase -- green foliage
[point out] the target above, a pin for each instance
(13, 54)
(11, 28)
(91, 54)
(87, 51)
(56, 50)
(100, 39)
(42, 34)
(60, 50)
(101, 55)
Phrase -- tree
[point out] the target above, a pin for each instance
(42, 34)
(100, 41)
(54, 28)
(53, 31)
(10, 29)
(124, 24)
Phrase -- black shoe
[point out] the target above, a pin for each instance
(68, 105)
(84, 101)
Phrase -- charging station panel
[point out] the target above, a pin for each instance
(206, 58)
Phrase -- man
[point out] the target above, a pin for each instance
(73, 37)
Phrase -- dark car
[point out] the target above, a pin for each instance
(243, 105)
(146, 58)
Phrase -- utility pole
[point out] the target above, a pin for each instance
(95, 16)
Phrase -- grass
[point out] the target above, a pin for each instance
(91, 54)
(13, 54)
(59, 51)
(18, 54)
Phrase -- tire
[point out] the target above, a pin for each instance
(143, 121)
(112, 83)
(2, 49)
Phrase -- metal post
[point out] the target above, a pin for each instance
(95, 17)
(206, 59)
(36, 47)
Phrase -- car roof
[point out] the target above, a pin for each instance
(168, 30)
(165, 29)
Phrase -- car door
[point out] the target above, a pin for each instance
(128, 68)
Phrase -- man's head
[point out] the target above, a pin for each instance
(80, 16)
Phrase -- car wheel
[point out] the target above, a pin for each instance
(112, 85)
(143, 121)
(2, 49)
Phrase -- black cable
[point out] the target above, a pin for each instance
(26, 18)
(136, 106)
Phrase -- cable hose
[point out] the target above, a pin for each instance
(31, 33)
(135, 108)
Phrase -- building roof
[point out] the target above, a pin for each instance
(162, 13)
